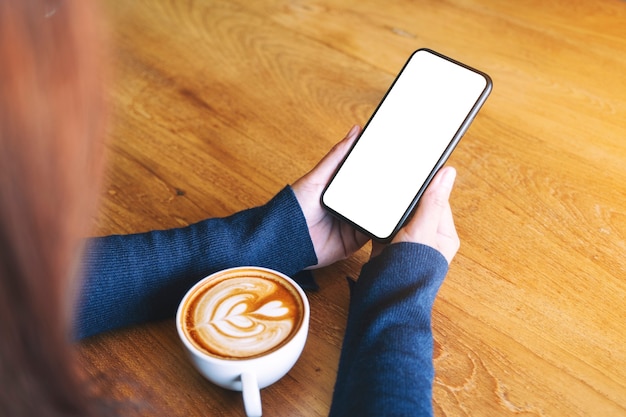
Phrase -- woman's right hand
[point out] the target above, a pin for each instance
(432, 224)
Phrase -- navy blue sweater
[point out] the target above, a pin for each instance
(386, 360)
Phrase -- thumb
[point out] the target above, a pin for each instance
(327, 166)
(425, 224)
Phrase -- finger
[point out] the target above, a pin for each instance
(377, 248)
(447, 227)
(327, 166)
(308, 187)
(448, 239)
(432, 205)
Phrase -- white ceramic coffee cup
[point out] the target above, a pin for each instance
(248, 375)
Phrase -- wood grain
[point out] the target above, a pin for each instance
(218, 104)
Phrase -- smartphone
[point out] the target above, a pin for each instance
(406, 141)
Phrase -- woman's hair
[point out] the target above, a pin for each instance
(51, 105)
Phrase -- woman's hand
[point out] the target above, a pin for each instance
(333, 239)
(432, 224)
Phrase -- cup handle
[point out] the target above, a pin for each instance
(251, 394)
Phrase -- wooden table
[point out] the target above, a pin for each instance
(217, 104)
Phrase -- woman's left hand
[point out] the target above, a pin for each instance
(333, 239)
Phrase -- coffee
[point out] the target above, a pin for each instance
(244, 328)
(242, 313)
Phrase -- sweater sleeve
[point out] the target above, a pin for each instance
(386, 365)
(130, 279)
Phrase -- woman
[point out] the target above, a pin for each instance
(51, 118)
(50, 130)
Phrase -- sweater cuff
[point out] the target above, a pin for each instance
(402, 267)
(292, 249)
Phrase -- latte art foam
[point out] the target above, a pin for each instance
(242, 317)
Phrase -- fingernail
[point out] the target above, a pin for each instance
(449, 176)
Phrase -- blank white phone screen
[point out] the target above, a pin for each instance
(402, 143)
